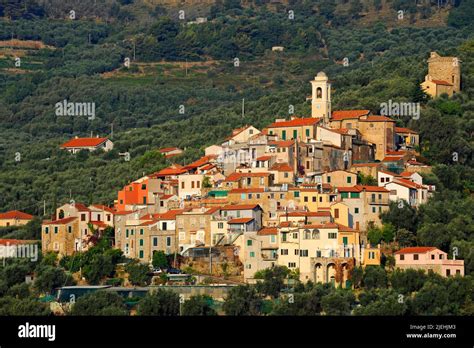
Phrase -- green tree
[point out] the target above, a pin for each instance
(101, 302)
(198, 305)
(243, 300)
(10, 306)
(273, 280)
(159, 259)
(339, 302)
(374, 277)
(138, 273)
(160, 303)
(49, 278)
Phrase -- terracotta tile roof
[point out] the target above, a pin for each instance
(237, 176)
(264, 158)
(81, 207)
(174, 170)
(147, 223)
(282, 143)
(392, 159)
(388, 172)
(365, 164)
(343, 228)
(360, 188)
(441, 82)
(404, 130)
(200, 162)
(240, 207)
(396, 153)
(15, 214)
(408, 183)
(168, 149)
(339, 115)
(239, 221)
(16, 241)
(406, 174)
(377, 118)
(84, 142)
(282, 167)
(208, 166)
(247, 190)
(297, 122)
(415, 250)
(268, 231)
(99, 224)
(60, 221)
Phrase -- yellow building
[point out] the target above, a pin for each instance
(14, 218)
(294, 129)
(62, 236)
(337, 178)
(444, 76)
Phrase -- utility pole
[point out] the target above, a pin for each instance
(44, 207)
(243, 107)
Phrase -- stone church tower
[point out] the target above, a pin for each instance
(321, 98)
(444, 76)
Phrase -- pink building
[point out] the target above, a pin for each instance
(428, 258)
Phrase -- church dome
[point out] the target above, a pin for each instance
(321, 76)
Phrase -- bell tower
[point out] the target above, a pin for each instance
(321, 98)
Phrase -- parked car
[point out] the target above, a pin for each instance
(172, 270)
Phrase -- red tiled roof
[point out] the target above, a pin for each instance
(16, 241)
(388, 172)
(99, 223)
(168, 149)
(408, 183)
(150, 222)
(15, 214)
(208, 166)
(237, 176)
(240, 207)
(239, 221)
(200, 162)
(247, 190)
(415, 250)
(404, 130)
(360, 188)
(84, 142)
(297, 122)
(170, 171)
(264, 158)
(339, 115)
(282, 143)
(268, 231)
(441, 82)
(377, 118)
(80, 207)
(60, 221)
(406, 174)
(391, 159)
(282, 167)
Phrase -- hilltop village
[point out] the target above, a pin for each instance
(300, 193)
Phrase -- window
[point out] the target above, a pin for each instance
(332, 235)
(284, 251)
(432, 257)
(307, 164)
(373, 197)
(249, 242)
(372, 255)
(69, 229)
(272, 239)
(283, 135)
(285, 175)
(307, 234)
(336, 213)
(144, 200)
(303, 253)
(55, 229)
(458, 271)
(328, 179)
(306, 198)
(155, 241)
(140, 254)
(307, 132)
(320, 199)
(252, 254)
(349, 179)
(356, 210)
(296, 194)
(46, 230)
(198, 184)
(291, 264)
(440, 256)
(141, 231)
(164, 226)
(318, 253)
(168, 241)
(143, 186)
(83, 217)
(295, 134)
(126, 233)
(373, 210)
(297, 252)
(295, 235)
(182, 185)
(315, 234)
(382, 179)
(192, 184)
(220, 225)
(402, 257)
(250, 196)
(448, 272)
(415, 256)
(141, 242)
